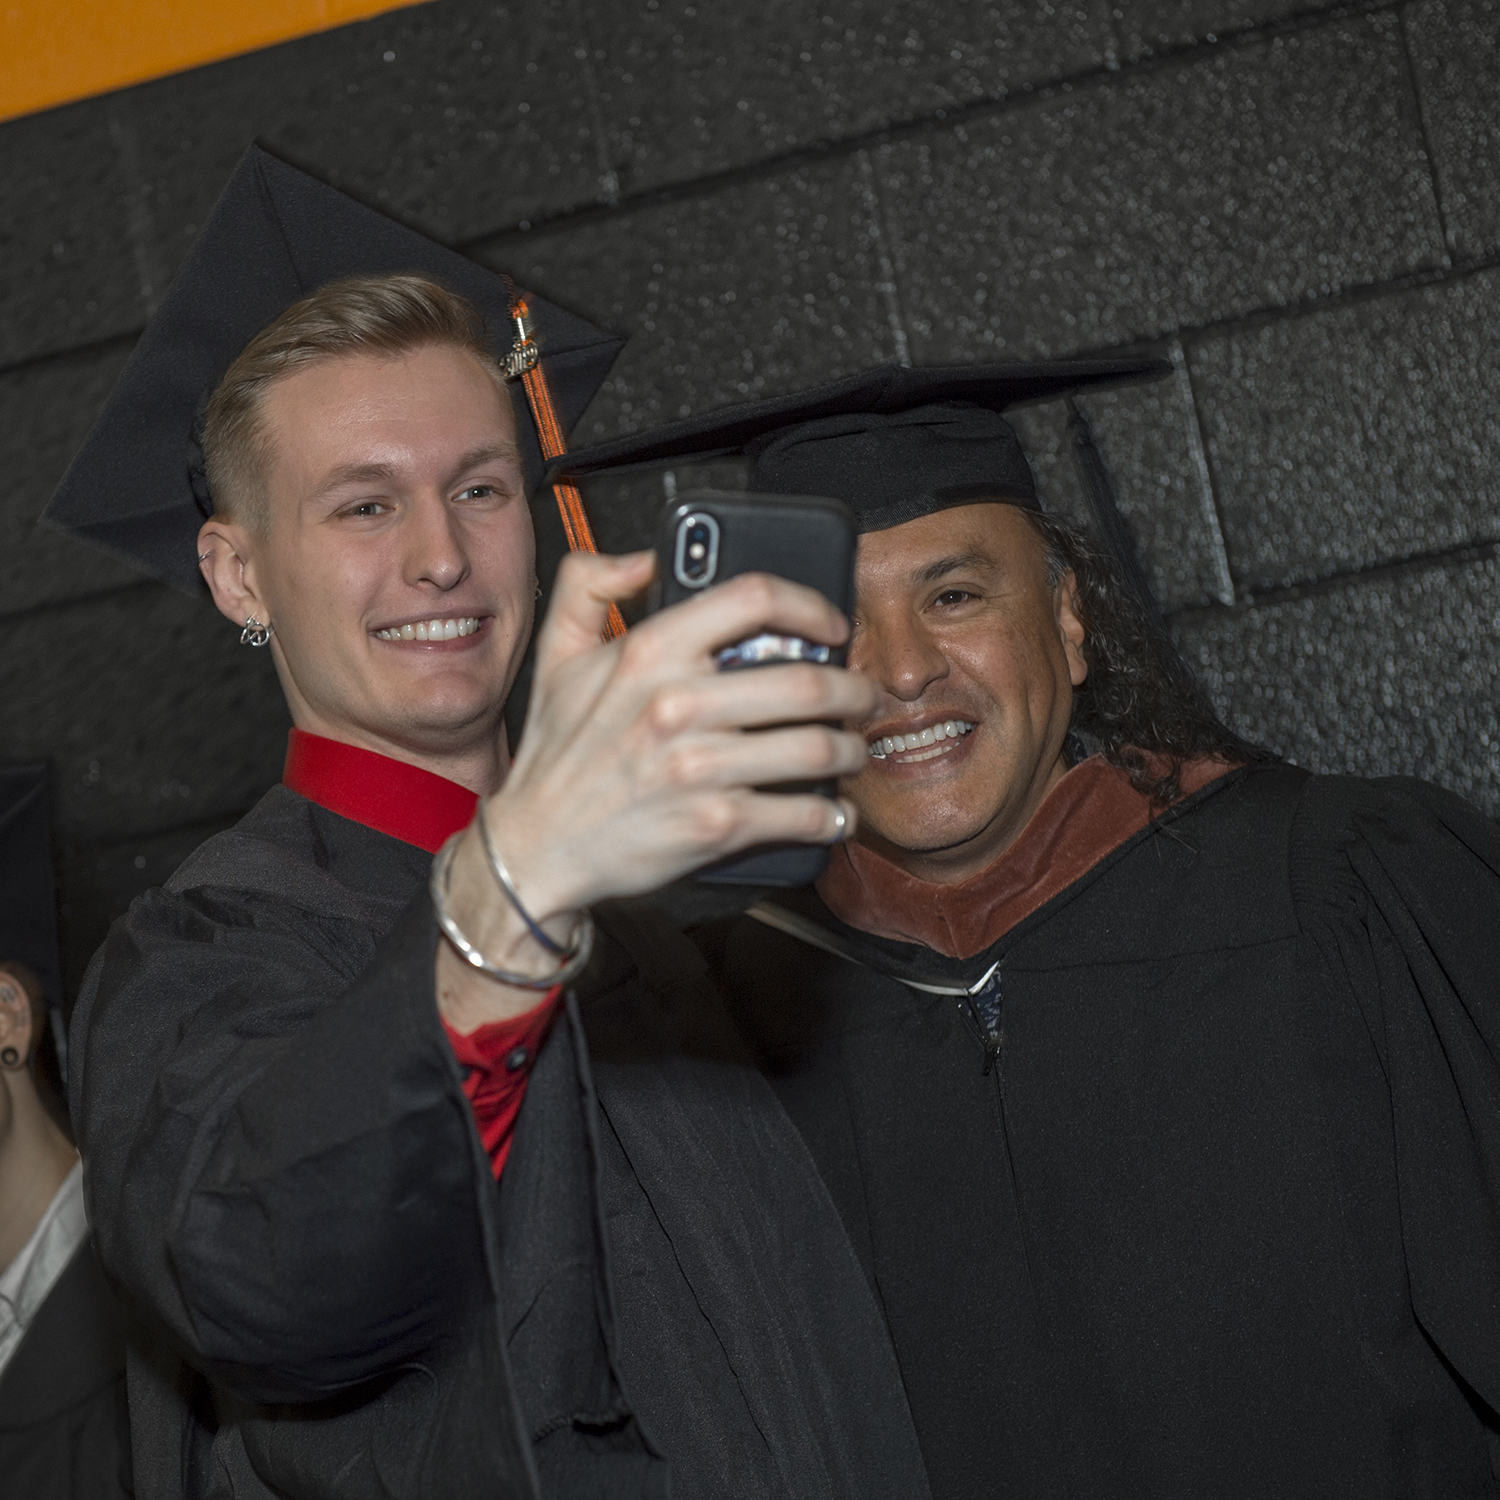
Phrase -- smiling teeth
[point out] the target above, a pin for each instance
(431, 630)
(929, 739)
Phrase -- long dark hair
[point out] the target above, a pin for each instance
(1141, 703)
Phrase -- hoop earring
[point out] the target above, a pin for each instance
(256, 634)
(10, 1057)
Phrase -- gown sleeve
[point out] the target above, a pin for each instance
(1399, 882)
(279, 1156)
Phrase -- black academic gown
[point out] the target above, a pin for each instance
(333, 1296)
(1219, 1212)
(63, 1428)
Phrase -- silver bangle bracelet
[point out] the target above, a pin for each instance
(506, 884)
(577, 958)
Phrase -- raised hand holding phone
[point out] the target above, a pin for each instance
(635, 766)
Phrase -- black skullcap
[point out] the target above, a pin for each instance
(275, 236)
(28, 903)
(893, 443)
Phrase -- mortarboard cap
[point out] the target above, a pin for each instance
(893, 444)
(275, 236)
(28, 901)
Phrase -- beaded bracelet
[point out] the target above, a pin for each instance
(576, 957)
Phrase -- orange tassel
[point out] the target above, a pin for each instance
(554, 445)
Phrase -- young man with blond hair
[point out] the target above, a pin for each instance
(299, 1069)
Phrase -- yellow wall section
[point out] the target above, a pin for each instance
(53, 51)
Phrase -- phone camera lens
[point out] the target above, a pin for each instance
(697, 551)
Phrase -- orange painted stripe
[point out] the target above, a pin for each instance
(55, 51)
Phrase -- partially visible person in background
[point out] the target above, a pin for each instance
(63, 1428)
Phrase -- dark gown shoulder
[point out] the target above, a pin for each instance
(260, 1082)
(1398, 883)
(291, 849)
(284, 1177)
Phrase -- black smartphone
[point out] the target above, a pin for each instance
(708, 536)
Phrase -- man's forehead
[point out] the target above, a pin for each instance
(396, 379)
(983, 533)
(364, 415)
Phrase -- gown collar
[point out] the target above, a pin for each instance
(390, 796)
(1089, 814)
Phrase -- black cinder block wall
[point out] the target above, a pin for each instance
(1298, 203)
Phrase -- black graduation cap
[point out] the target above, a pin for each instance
(893, 443)
(28, 902)
(275, 236)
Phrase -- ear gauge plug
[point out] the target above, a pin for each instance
(10, 1057)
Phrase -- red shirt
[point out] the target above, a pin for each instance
(426, 810)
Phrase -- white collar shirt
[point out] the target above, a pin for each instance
(26, 1281)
